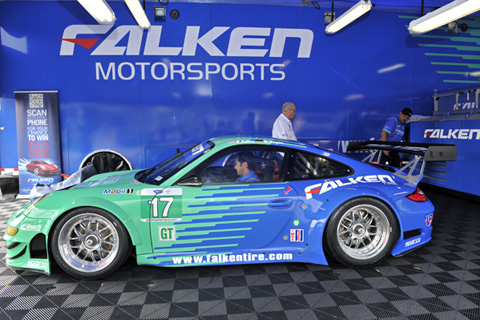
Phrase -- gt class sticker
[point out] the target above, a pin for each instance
(167, 233)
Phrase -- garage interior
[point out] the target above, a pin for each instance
(346, 86)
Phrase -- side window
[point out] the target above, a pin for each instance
(311, 166)
(242, 165)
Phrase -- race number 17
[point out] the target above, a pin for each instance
(154, 204)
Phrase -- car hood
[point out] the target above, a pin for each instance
(111, 180)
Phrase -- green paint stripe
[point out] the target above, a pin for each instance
(453, 72)
(222, 207)
(210, 224)
(470, 65)
(464, 48)
(192, 241)
(196, 248)
(206, 232)
(451, 38)
(460, 81)
(218, 216)
(409, 17)
(233, 198)
(219, 190)
(228, 211)
(463, 56)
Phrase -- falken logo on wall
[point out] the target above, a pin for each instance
(131, 41)
(38, 139)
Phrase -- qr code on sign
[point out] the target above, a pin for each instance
(36, 100)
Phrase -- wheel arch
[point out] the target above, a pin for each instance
(344, 196)
(110, 207)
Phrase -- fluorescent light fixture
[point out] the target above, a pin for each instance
(362, 7)
(138, 12)
(99, 10)
(446, 14)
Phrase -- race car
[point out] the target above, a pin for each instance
(196, 209)
(42, 168)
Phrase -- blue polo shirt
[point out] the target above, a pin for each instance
(249, 177)
(395, 129)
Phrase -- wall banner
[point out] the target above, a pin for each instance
(38, 139)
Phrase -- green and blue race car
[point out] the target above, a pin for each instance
(229, 200)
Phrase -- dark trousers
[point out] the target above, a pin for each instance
(393, 159)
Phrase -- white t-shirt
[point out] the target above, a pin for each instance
(282, 128)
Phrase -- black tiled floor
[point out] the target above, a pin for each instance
(438, 281)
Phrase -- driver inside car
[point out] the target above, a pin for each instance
(244, 165)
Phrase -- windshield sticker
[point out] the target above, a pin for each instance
(197, 149)
(158, 191)
(323, 187)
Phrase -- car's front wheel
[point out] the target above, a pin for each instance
(361, 232)
(89, 243)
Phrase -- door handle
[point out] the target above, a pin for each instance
(280, 203)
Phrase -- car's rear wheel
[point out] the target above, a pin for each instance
(361, 232)
(89, 243)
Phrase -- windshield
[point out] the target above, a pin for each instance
(170, 166)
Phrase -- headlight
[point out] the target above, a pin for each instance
(11, 231)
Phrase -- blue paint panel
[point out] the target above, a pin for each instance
(344, 90)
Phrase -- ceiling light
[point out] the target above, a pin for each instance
(138, 12)
(448, 13)
(362, 7)
(99, 10)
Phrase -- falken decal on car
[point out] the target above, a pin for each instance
(323, 187)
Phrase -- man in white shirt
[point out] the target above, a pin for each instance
(282, 128)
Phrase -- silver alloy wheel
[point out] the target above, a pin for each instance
(363, 232)
(88, 242)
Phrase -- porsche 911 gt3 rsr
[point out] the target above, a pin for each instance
(190, 210)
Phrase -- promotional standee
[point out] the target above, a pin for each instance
(38, 139)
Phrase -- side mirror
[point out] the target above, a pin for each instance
(191, 181)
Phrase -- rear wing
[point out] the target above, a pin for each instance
(419, 151)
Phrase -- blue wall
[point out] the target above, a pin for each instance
(344, 87)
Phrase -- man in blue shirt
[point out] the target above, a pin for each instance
(244, 164)
(394, 130)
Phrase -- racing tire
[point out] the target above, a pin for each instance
(361, 232)
(89, 243)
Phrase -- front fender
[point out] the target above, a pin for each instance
(50, 210)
